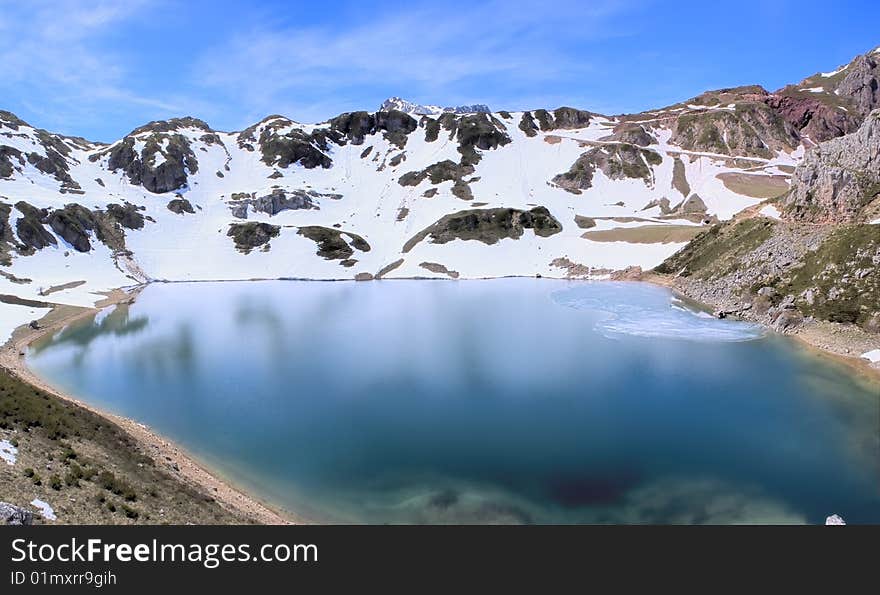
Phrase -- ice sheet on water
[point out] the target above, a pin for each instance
(643, 310)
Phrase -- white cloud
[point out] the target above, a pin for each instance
(52, 54)
(425, 51)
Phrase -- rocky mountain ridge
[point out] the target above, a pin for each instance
(370, 194)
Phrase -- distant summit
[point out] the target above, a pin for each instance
(396, 103)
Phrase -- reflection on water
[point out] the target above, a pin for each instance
(513, 400)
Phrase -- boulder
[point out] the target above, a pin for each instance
(14, 515)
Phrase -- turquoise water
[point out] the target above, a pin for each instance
(510, 400)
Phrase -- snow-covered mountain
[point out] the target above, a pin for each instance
(408, 107)
(561, 192)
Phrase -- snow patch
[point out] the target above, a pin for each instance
(770, 211)
(815, 90)
(8, 453)
(45, 509)
(833, 72)
(872, 356)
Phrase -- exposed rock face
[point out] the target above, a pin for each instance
(438, 173)
(436, 267)
(838, 178)
(617, 161)
(488, 226)
(750, 129)
(248, 236)
(276, 201)
(813, 117)
(73, 224)
(565, 118)
(331, 243)
(634, 134)
(30, 230)
(527, 124)
(479, 131)
(126, 215)
(9, 157)
(14, 515)
(862, 83)
(181, 206)
(282, 144)
(171, 172)
(355, 126)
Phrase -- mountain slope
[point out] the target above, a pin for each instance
(560, 192)
(815, 260)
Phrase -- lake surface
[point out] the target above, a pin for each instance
(509, 400)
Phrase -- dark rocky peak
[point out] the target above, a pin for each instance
(145, 168)
(158, 155)
(355, 126)
(562, 118)
(408, 107)
(828, 105)
(861, 83)
(53, 159)
(172, 125)
(10, 120)
(282, 142)
(479, 131)
(568, 118)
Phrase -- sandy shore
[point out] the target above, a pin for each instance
(186, 468)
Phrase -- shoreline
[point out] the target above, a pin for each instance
(818, 338)
(187, 468)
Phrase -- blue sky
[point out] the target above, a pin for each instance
(102, 67)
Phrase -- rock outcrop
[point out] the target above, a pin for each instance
(837, 179)
(332, 244)
(157, 174)
(15, 515)
(488, 226)
(276, 201)
(616, 160)
(248, 236)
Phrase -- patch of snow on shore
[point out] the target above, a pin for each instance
(13, 316)
(45, 509)
(872, 356)
(8, 452)
(770, 211)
